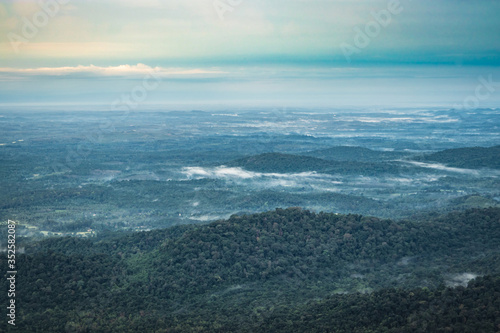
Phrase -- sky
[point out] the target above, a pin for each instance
(315, 53)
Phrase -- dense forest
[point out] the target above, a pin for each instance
(470, 157)
(283, 269)
(359, 160)
(361, 154)
(287, 163)
(143, 177)
(472, 309)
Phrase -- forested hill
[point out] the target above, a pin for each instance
(348, 153)
(278, 162)
(288, 163)
(235, 274)
(471, 158)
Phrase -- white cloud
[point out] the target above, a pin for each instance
(442, 167)
(219, 172)
(261, 179)
(121, 70)
(460, 279)
(236, 172)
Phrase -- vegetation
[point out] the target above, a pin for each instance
(72, 175)
(54, 179)
(253, 272)
(471, 157)
(287, 163)
(277, 162)
(360, 154)
(472, 309)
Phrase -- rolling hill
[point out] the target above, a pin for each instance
(350, 153)
(288, 163)
(254, 271)
(470, 158)
(282, 163)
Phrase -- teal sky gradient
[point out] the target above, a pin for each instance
(257, 51)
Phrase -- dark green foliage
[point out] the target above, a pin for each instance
(277, 162)
(287, 163)
(349, 153)
(255, 272)
(472, 309)
(471, 158)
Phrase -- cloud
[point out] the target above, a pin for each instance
(237, 172)
(442, 167)
(460, 279)
(263, 180)
(121, 70)
(219, 172)
(206, 218)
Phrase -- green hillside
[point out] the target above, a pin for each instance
(360, 154)
(278, 162)
(236, 274)
(471, 158)
(287, 163)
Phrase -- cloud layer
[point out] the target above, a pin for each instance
(240, 173)
(121, 70)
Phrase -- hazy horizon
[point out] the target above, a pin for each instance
(262, 54)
